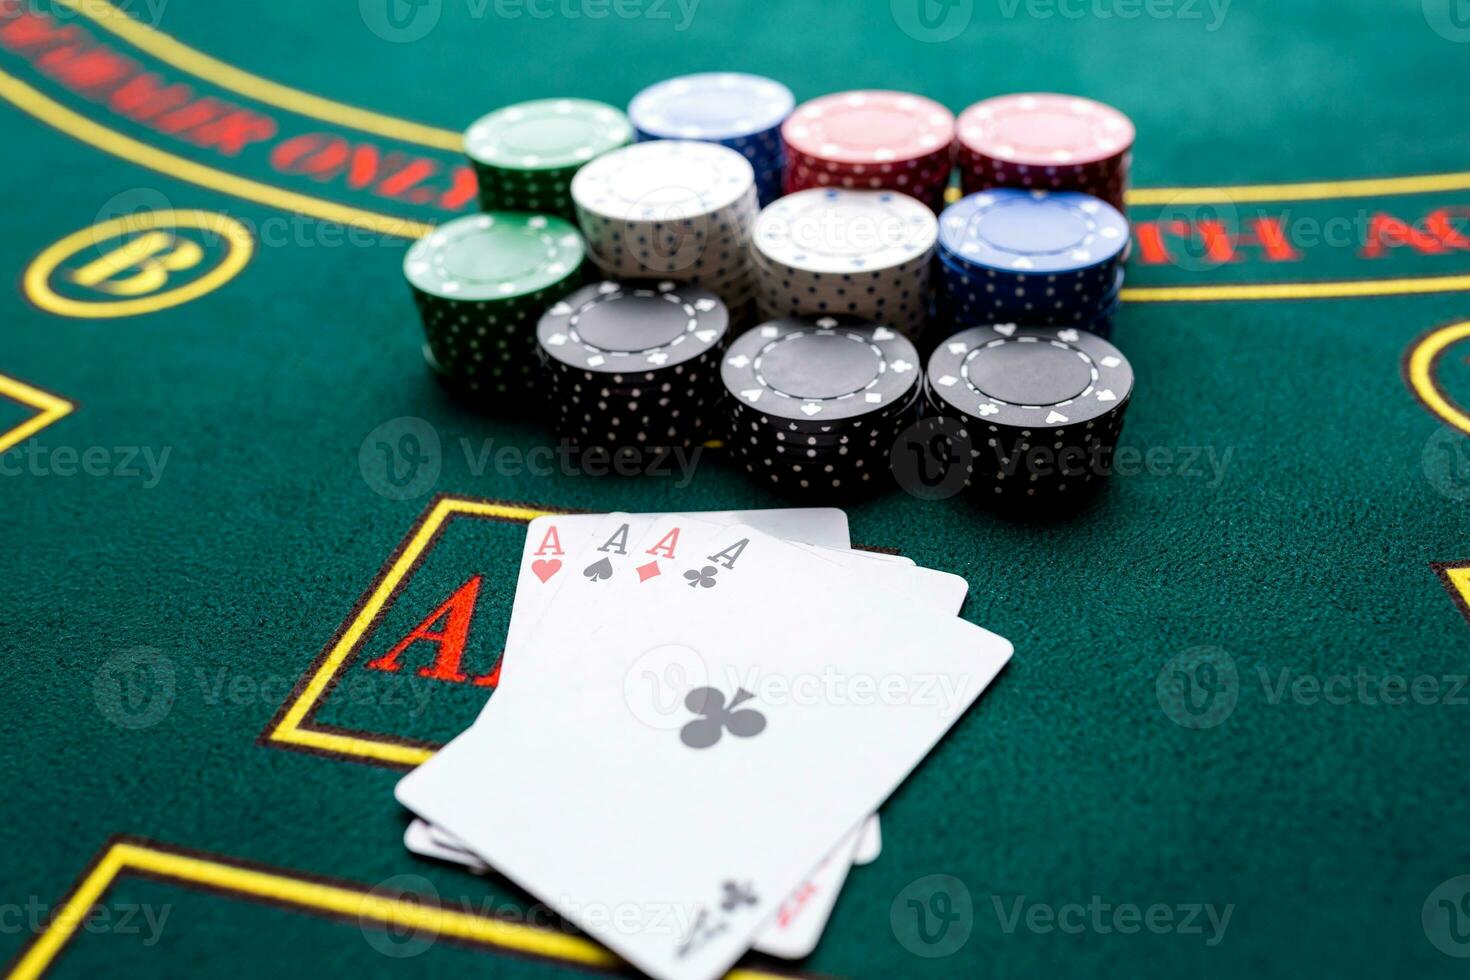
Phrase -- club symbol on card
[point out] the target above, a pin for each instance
(736, 894)
(599, 571)
(544, 568)
(705, 577)
(716, 717)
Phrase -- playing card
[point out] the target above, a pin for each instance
(821, 694)
(557, 543)
(420, 839)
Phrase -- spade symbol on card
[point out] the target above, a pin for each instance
(599, 571)
(716, 717)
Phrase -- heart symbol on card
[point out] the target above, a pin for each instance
(544, 568)
(599, 571)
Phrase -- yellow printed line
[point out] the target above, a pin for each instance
(227, 76)
(55, 114)
(290, 728)
(1419, 370)
(305, 895)
(181, 56)
(1297, 290)
(49, 408)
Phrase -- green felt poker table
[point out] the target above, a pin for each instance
(1231, 741)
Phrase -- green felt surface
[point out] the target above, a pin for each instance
(1306, 552)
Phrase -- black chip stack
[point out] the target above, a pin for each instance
(1038, 410)
(816, 402)
(633, 365)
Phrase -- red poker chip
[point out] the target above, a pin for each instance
(1044, 129)
(869, 127)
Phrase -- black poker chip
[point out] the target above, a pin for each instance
(1036, 378)
(1039, 409)
(820, 369)
(629, 328)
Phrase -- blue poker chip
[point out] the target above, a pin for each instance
(712, 106)
(1033, 232)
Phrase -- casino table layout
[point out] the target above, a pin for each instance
(230, 486)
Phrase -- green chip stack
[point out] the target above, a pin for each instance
(526, 154)
(481, 283)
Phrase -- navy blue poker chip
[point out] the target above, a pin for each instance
(1020, 232)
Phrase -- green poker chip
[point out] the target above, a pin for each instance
(494, 256)
(546, 134)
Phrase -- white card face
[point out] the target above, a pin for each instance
(870, 845)
(798, 924)
(419, 839)
(556, 544)
(784, 689)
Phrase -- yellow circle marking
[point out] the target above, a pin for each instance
(237, 243)
(1419, 368)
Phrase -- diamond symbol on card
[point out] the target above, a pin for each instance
(646, 572)
(1054, 417)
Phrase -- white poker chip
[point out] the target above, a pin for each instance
(841, 231)
(663, 181)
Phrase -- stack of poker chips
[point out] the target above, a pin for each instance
(1032, 414)
(742, 112)
(1035, 257)
(862, 253)
(871, 140)
(525, 155)
(1041, 141)
(632, 366)
(817, 402)
(481, 282)
(676, 210)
